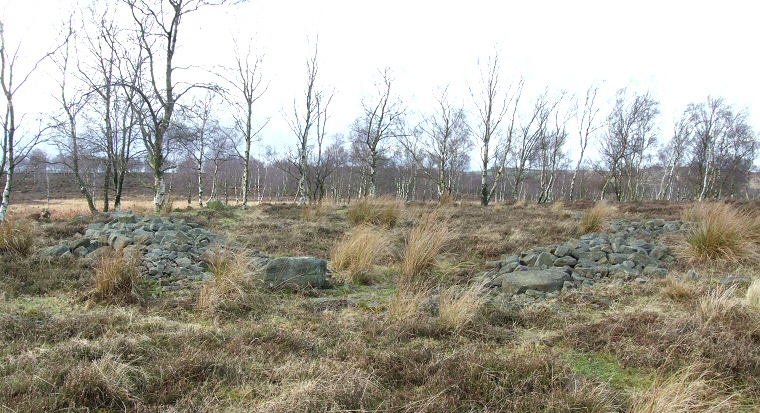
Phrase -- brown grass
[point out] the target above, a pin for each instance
(458, 308)
(683, 392)
(753, 294)
(593, 219)
(354, 257)
(383, 211)
(116, 276)
(407, 305)
(679, 290)
(231, 290)
(17, 237)
(426, 240)
(719, 231)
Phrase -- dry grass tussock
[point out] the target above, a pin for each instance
(679, 290)
(408, 304)
(753, 294)
(315, 212)
(719, 231)
(683, 392)
(383, 211)
(458, 308)
(106, 381)
(593, 219)
(425, 242)
(116, 276)
(232, 289)
(17, 237)
(352, 259)
(723, 307)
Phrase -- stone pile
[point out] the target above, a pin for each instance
(175, 252)
(172, 250)
(627, 252)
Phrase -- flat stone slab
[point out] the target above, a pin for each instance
(540, 280)
(290, 272)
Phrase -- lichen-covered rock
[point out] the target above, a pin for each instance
(538, 280)
(293, 272)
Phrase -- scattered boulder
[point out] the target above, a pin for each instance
(293, 272)
(626, 253)
(538, 280)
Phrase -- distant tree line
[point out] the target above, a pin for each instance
(123, 110)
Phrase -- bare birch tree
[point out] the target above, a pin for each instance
(302, 121)
(443, 146)
(248, 85)
(72, 103)
(157, 25)
(381, 123)
(673, 155)
(13, 148)
(631, 132)
(587, 125)
(110, 66)
(492, 105)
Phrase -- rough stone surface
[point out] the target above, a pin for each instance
(293, 272)
(629, 251)
(538, 280)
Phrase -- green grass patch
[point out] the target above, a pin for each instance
(606, 369)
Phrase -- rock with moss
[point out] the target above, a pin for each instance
(539, 280)
(292, 272)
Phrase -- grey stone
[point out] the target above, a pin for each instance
(641, 259)
(510, 258)
(577, 277)
(577, 244)
(562, 251)
(540, 280)
(654, 272)
(508, 267)
(616, 258)
(55, 251)
(289, 272)
(642, 280)
(183, 262)
(82, 242)
(96, 254)
(544, 260)
(529, 259)
(95, 244)
(659, 252)
(623, 272)
(734, 280)
(120, 242)
(565, 260)
(568, 285)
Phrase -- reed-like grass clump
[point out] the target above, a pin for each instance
(353, 258)
(425, 242)
(17, 237)
(593, 220)
(719, 231)
(382, 211)
(116, 276)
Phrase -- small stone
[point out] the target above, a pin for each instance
(565, 260)
(183, 262)
(642, 280)
(545, 260)
(734, 280)
(562, 251)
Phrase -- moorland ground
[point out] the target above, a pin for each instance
(400, 330)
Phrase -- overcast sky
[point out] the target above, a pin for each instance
(682, 51)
